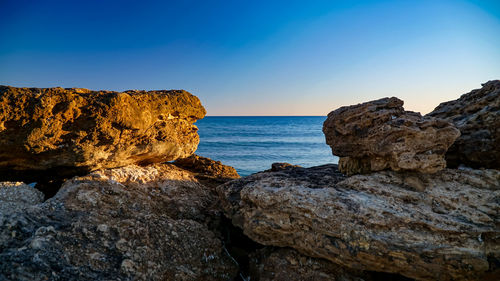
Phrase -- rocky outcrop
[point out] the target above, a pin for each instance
(275, 167)
(207, 169)
(129, 223)
(286, 264)
(379, 135)
(17, 196)
(410, 216)
(477, 115)
(68, 131)
(441, 226)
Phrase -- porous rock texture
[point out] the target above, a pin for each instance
(477, 116)
(17, 196)
(79, 130)
(442, 226)
(207, 170)
(285, 264)
(380, 134)
(129, 223)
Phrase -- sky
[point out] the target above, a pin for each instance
(280, 57)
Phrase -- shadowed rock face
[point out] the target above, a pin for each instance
(441, 226)
(379, 135)
(477, 116)
(284, 264)
(67, 130)
(17, 196)
(129, 223)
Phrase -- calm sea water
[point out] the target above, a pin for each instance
(252, 144)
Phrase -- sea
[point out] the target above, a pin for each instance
(251, 144)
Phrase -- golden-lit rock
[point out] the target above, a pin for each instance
(380, 134)
(81, 130)
(211, 172)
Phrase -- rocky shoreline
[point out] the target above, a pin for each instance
(87, 192)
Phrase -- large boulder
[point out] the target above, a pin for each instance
(129, 223)
(477, 115)
(380, 134)
(69, 131)
(442, 226)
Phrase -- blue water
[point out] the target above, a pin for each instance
(252, 144)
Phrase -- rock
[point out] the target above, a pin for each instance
(129, 223)
(207, 169)
(17, 196)
(286, 264)
(162, 189)
(60, 131)
(282, 166)
(477, 116)
(442, 226)
(379, 135)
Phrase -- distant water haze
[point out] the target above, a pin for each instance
(252, 144)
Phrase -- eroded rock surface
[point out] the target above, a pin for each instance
(275, 167)
(477, 115)
(285, 264)
(379, 135)
(207, 169)
(60, 131)
(442, 226)
(17, 196)
(129, 223)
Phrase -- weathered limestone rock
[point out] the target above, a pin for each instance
(275, 167)
(477, 116)
(442, 226)
(286, 264)
(207, 169)
(379, 135)
(17, 196)
(66, 130)
(129, 223)
(162, 189)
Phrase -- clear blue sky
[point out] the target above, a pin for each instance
(256, 57)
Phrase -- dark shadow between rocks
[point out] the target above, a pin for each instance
(47, 181)
(239, 246)
(50, 188)
(384, 276)
(494, 270)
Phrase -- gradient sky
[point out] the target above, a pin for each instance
(256, 57)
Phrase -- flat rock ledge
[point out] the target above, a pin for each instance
(380, 134)
(442, 226)
(66, 130)
(477, 115)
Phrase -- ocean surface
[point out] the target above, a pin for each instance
(252, 144)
